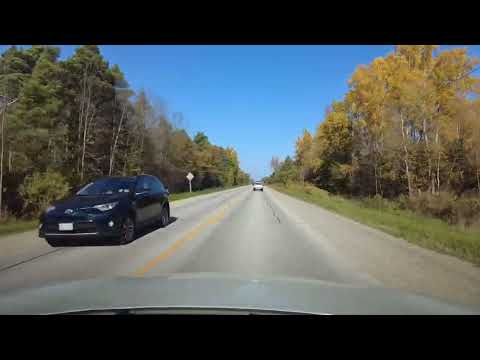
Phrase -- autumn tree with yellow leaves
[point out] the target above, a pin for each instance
(409, 125)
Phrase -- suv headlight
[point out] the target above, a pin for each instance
(50, 208)
(106, 207)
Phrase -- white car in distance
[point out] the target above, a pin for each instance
(257, 185)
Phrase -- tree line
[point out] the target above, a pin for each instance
(409, 126)
(74, 120)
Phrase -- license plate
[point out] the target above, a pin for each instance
(65, 227)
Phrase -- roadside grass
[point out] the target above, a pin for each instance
(186, 195)
(427, 232)
(12, 226)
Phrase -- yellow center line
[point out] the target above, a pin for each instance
(188, 236)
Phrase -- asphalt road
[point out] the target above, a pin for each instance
(256, 234)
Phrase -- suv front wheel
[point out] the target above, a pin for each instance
(128, 231)
(164, 217)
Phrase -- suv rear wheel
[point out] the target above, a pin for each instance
(164, 217)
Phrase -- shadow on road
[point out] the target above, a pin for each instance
(109, 242)
(148, 229)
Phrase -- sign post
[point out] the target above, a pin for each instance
(190, 177)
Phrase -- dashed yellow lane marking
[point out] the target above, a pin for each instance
(216, 218)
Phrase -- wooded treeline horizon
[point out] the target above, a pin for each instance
(71, 121)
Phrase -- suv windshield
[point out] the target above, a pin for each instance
(106, 187)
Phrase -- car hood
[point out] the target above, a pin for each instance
(76, 202)
(221, 291)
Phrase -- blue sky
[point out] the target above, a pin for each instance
(257, 99)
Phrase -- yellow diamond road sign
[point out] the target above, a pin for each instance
(190, 176)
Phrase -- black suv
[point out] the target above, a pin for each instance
(111, 207)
